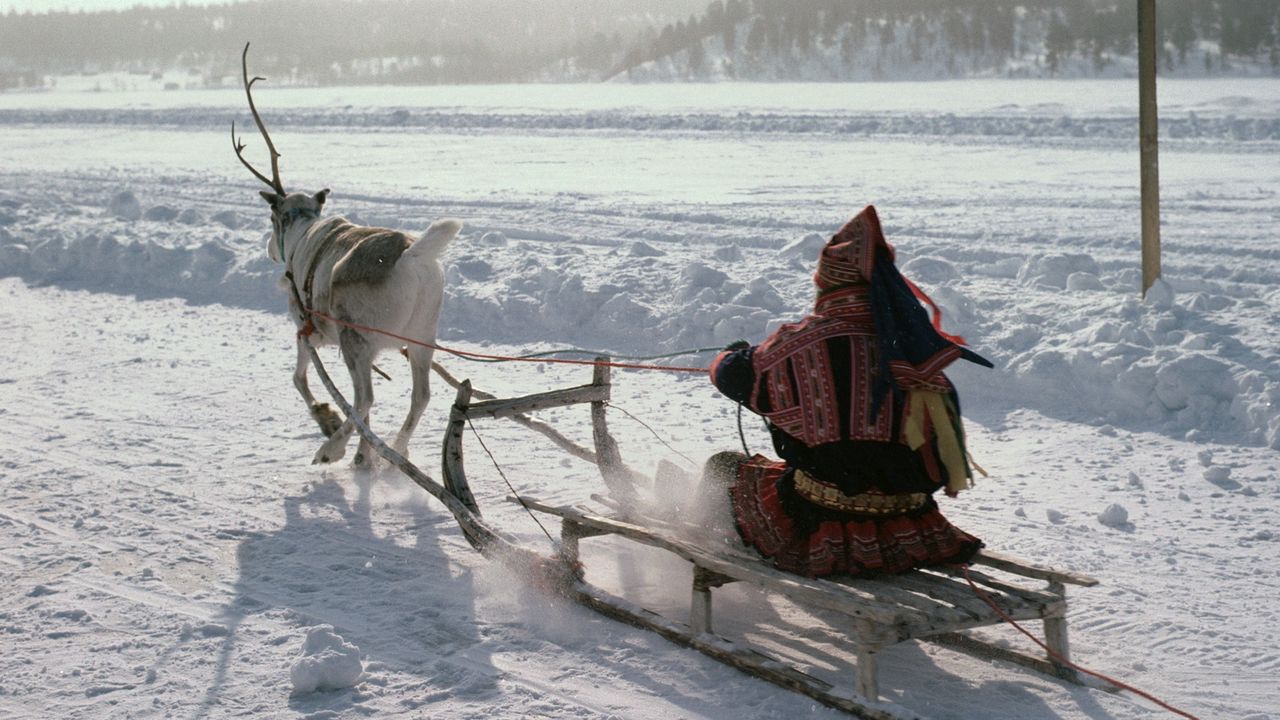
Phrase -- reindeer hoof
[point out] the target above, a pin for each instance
(326, 418)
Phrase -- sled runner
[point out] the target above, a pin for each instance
(935, 605)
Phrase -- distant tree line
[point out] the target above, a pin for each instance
(335, 41)
(464, 41)
(768, 39)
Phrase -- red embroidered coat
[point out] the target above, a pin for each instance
(820, 384)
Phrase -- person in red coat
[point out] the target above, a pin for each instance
(865, 423)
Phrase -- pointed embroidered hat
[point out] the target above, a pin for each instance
(849, 257)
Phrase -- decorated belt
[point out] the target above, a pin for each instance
(828, 496)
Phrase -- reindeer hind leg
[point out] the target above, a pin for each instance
(420, 365)
(358, 353)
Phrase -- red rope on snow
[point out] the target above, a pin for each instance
(505, 358)
(1123, 686)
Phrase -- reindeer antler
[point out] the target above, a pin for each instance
(238, 145)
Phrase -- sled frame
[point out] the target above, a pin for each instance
(935, 605)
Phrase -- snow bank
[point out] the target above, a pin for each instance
(1169, 363)
(1163, 363)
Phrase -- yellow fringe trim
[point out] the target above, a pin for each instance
(950, 447)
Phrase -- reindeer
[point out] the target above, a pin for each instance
(362, 276)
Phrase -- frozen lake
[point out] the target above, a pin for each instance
(1239, 96)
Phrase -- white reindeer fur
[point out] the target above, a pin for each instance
(404, 300)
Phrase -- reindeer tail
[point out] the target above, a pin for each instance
(433, 242)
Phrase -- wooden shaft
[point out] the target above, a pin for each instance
(612, 471)
(1148, 142)
(1055, 636)
(868, 684)
(451, 460)
(473, 526)
(539, 426)
(700, 611)
(569, 536)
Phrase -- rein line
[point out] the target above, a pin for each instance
(487, 357)
(308, 326)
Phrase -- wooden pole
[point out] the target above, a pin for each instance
(1148, 134)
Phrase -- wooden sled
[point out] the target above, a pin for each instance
(935, 605)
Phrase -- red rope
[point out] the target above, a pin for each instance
(505, 358)
(1124, 686)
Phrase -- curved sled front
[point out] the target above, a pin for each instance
(617, 477)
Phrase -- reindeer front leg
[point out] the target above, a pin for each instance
(323, 413)
(358, 355)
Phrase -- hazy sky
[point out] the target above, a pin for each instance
(44, 5)
(680, 6)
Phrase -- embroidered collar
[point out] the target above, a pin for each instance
(852, 301)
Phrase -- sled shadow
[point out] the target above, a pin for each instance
(328, 565)
(902, 681)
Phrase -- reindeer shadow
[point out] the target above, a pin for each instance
(328, 565)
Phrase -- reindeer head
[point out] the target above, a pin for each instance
(287, 209)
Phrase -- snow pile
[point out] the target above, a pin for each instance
(328, 662)
(1162, 363)
(125, 206)
(137, 249)
(1114, 516)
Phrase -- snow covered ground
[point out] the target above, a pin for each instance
(168, 552)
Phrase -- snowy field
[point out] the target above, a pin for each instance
(167, 550)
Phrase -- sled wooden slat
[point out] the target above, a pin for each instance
(938, 612)
(946, 590)
(969, 645)
(1016, 566)
(848, 600)
(989, 584)
(540, 401)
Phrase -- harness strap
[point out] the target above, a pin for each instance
(304, 309)
(308, 283)
(304, 313)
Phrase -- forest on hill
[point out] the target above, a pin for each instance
(483, 41)
(892, 39)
